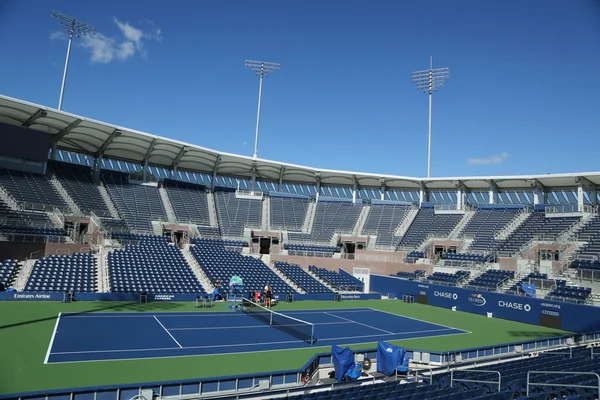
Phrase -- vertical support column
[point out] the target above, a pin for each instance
(173, 172)
(423, 194)
(354, 190)
(280, 185)
(53, 150)
(382, 192)
(492, 193)
(97, 165)
(595, 196)
(459, 198)
(318, 190)
(580, 197)
(145, 170)
(213, 180)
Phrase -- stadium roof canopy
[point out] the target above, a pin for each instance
(82, 135)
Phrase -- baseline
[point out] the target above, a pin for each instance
(49, 351)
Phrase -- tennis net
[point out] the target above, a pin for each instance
(295, 327)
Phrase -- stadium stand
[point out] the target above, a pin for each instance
(485, 224)
(235, 213)
(335, 279)
(383, 220)
(137, 204)
(426, 223)
(301, 278)
(8, 272)
(590, 233)
(492, 279)
(58, 273)
(330, 217)
(36, 190)
(81, 187)
(152, 266)
(445, 278)
(310, 250)
(413, 276)
(537, 224)
(288, 213)
(190, 202)
(221, 259)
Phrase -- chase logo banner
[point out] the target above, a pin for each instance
(446, 295)
(477, 300)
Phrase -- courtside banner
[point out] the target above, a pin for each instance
(36, 296)
(574, 317)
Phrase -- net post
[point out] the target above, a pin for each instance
(312, 335)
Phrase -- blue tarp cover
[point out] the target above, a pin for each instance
(528, 288)
(343, 361)
(389, 357)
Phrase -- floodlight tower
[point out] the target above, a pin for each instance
(73, 27)
(262, 69)
(429, 81)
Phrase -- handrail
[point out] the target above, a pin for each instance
(529, 383)
(452, 379)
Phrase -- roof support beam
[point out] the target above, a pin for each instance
(318, 179)
(58, 137)
(214, 172)
(493, 192)
(115, 134)
(36, 115)
(149, 150)
(383, 188)
(584, 182)
(184, 150)
(355, 188)
(281, 172)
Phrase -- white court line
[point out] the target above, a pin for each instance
(246, 344)
(251, 326)
(360, 323)
(52, 339)
(169, 333)
(213, 314)
(420, 320)
(222, 354)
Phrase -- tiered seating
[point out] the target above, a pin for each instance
(413, 276)
(539, 280)
(485, 224)
(209, 232)
(565, 292)
(302, 278)
(287, 213)
(426, 223)
(336, 280)
(153, 266)
(27, 223)
(114, 225)
(537, 224)
(31, 188)
(79, 184)
(414, 255)
(137, 204)
(58, 273)
(310, 250)
(383, 220)
(330, 216)
(189, 202)
(221, 259)
(492, 279)
(8, 272)
(591, 234)
(235, 213)
(470, 258)
(445, 278)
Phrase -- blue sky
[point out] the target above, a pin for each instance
(523, 96)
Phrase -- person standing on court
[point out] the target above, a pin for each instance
(268, 295)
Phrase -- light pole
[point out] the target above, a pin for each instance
(428, 81)
(262, 69)
(73, 27)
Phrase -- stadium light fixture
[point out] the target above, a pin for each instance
(429, 81)
(262, 69)
(74, 28)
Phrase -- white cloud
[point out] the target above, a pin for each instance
(130, 41)
(244, 143)
(58, 35)
(490, 160)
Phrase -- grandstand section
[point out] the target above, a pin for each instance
(59, 273)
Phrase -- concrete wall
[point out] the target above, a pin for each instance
(22, 250)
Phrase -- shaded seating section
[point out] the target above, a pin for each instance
(330, 216)
(36, 190)
(221, 259)
(288, 213)
(492, 279)
(310, 250)
(137, 204)
(486, 223)
(79, 184)
(413, 276)
(58, 273)
(301, 278)
(591, 234)
(414, 255)
(446, 278)
(426, 223)
(335, 279)
(565, 292)
(588, 270)
(537, 224)
(189, 201)
(234, 214)
(383, 220)
(209, 231)
(114, 225)
(535, 278)
(27, 223)
(152, 266)
(8, 272)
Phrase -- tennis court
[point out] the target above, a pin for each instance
(127, 336)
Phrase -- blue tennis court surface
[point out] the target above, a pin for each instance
(123, 336)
